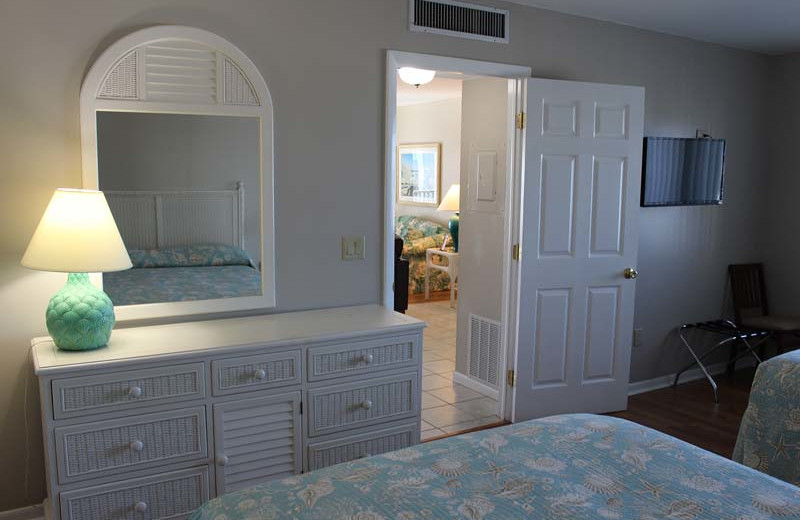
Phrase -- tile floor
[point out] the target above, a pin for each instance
(447, 407)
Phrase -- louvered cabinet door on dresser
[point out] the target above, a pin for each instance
(166, 417)
(257, 439)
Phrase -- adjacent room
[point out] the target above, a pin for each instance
(453, 131)
(399, 259)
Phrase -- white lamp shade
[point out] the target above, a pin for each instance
(77, 234)
(451, 198)
(416, 77)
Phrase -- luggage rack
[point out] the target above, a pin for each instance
(731, 333)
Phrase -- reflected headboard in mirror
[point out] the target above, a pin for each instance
(175, 122)
(153, 219)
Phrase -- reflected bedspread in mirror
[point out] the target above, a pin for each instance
(185, 193)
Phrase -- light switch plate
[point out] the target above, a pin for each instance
(353, 247)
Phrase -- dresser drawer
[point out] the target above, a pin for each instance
(259, 372)
(328, 453)
(136, 442)
(372, 401)
(362, 356)
(167, 495)
(77, 396)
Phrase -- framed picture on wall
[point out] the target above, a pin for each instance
(419, 174)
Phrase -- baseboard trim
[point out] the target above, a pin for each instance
(694, 374)
(479, 387)
(24, 513)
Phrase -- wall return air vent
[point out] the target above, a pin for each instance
(483, 355)
(453, 18)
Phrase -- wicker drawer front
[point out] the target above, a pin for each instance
(328, 453)
(341, 407)
(76, 396)
(256, 372)
(168, 495)
(140, 441)
(363, 356)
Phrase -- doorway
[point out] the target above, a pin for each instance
(567, 305)
(460, 125)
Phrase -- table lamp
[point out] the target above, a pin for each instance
(450, 203)
(78, 235)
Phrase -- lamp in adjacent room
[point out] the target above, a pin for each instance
(78, 235)
(416, 77)
(450, 203)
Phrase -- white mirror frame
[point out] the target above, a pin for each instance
(117, 82)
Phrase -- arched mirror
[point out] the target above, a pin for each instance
(176, 127)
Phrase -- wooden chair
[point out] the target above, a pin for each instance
(750, 304)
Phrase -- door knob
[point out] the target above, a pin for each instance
(630, 273)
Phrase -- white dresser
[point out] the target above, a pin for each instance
(166, 417)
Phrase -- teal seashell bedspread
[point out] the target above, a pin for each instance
(769, 437)
(563, 467)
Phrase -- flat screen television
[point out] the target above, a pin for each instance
(682, 172)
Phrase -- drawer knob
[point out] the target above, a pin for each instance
(366, 404)
(137, 445)
(367, 358)
(135, 391)
(222, 460)
(260, 374)
(140, 506)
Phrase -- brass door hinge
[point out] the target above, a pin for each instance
(516, 252)
(511, 378)
(521, 120)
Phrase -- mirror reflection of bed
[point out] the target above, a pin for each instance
(185, 193)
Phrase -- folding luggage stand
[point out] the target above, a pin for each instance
(731, 332)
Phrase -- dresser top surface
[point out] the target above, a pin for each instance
(141, 344)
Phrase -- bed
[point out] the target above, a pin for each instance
(562, 467)
(184, 245)
(769, 436)
(199, 272)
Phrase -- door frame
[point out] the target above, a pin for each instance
(516, 74)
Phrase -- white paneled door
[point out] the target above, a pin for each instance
(580, 203)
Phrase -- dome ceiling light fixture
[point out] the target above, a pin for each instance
(415, 77)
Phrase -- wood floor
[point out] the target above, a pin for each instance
(689, 413)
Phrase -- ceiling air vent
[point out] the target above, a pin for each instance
(453, 18)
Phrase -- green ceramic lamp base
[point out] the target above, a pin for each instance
(453, 226)
(80, 316)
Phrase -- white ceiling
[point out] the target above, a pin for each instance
(437, 90)
(767, 26)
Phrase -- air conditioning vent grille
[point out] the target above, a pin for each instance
(484, 350)
(459, 19)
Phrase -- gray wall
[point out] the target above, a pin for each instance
(326, 77)
(173, 151)
(434, 122)
(782, 232)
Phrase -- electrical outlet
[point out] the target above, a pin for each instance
(353, 247)
(637, 337)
